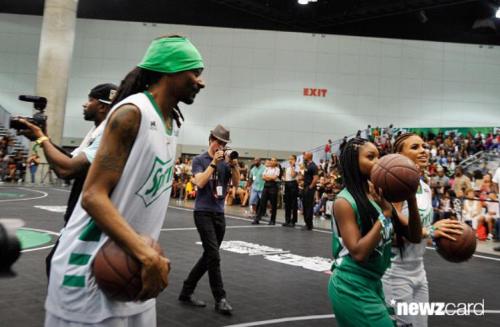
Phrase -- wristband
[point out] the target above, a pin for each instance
(386, 229)
(41, 139)
(432, 231)
(213, 165)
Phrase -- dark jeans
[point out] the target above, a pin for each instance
(497, 229)
(308, 203)
(211, 227)
(33, 169)
(270, 193)
(291, 193)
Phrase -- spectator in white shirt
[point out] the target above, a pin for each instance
(270, 192)
(291, 192)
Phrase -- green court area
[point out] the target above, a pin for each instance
(12, 195)
(31, 238)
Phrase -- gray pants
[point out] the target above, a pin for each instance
(407, 283)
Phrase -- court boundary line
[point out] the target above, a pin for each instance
(282, 320)
(45, 194)
(59, 189)
(244, 219)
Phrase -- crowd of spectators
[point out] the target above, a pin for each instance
(458, 193)
(468, 196)
(13, 162)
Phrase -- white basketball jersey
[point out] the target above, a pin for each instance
(415, 252)
(141, 196)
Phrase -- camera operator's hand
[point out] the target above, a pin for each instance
(33, 132)
(218, 156)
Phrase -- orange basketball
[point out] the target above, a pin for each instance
(117, 273)
(460, 250)
(397, 176)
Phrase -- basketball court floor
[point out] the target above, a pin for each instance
(274, 276)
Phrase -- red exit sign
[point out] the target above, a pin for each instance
(308, 92)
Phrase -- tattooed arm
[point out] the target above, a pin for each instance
(104, 174)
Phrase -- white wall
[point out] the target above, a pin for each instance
(255, 80)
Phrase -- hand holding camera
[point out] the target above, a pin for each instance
(31, 131)
(231, 157)
(218, 156)
(38, 120)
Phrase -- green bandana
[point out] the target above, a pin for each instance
(171, 55)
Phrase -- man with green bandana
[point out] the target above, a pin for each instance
(126, 192)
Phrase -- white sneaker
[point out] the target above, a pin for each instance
(490, 236)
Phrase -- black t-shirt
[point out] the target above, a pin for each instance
(206, 199)
(309, 174)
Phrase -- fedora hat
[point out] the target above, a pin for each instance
(220, 133)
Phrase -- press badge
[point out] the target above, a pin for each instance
(219, 190)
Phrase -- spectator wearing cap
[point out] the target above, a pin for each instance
(75, 165)
(212, 171)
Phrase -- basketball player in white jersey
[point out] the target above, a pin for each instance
(127, 190)
(406, 280)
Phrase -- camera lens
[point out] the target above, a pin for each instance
(233, 155)
(10, 249)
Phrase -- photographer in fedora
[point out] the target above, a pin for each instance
(212, 171)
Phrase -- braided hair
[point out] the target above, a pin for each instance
(356, 183)
(399, 142)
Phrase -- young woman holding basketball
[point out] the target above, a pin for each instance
(406, 280)
(362, 238)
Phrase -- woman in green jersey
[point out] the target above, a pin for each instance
(362, 236)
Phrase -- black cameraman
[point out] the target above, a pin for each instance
(212, 173)
(75, 165)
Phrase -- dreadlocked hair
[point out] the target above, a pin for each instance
(357, 184)
(139, 80)
(399, 229)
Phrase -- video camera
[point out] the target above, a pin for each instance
(10, 250)
(231, 154)
(39, 118)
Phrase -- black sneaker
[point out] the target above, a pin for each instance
(189, 300)
(285, 225)
(271, 222)
(255, 222)
(223, 307)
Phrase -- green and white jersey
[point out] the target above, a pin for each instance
(141, 196)
(379, 260)
(415, 252)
